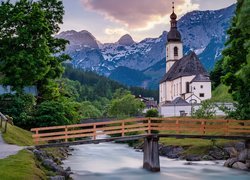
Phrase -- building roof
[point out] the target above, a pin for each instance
(178, 102)
(187, 66)
(201, 78)
(174, 35)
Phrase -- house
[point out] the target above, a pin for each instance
(149, 102)
(186, 81)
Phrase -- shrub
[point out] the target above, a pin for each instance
(19, 106)
(207, 110)
(152, 113)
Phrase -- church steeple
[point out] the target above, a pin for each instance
(174, 34)
(174, 45)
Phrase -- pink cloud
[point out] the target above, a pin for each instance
(135, 14)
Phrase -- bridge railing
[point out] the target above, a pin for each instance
(119, 128)
(142, 126)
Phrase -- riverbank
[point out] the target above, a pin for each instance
(20, 158)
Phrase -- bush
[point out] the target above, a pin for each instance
(54, 113)
(152, 113)
(19, 106)
(207, 110)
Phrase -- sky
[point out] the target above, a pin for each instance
(108, 20)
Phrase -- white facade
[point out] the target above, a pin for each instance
(185, 77)
(174, 52)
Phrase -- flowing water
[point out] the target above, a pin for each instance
(110, 161)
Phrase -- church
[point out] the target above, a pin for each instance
(186, 81)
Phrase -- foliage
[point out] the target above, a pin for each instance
(126, 105)
(54, 113)
(207, 110)
(92, 91)
(88, 110)
(235, 65)
(20, 166)
(220, 94)
(18, 106)
(152, 113)
(28, 45)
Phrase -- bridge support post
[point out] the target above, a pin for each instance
(247, 144)
(151, 159)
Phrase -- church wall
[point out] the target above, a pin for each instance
(202, 90)
(170, 50)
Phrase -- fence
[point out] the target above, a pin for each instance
(123, 128)
(3, 119)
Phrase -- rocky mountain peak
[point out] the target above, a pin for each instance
(126, 40)
(81, 39)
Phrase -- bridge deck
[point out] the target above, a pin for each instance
(142, 127)
(136, 137)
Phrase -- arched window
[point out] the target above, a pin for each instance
(175, 51)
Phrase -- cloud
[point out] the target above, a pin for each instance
(115, 31)
(138, 14)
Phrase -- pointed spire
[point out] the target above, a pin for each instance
(173, 6)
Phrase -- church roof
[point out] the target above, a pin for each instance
(187, 66)
(178, 102)
(174, 35)
(201, 78)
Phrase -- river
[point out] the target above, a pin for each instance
(110, 161)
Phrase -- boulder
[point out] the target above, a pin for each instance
(193, 158)
(207, 158)
(218, 154)
(231, 151)
(239, 146)
(230, 162)
(172, 152)
(243, 155)
(57, 178)
(40, 155)
(239, 165)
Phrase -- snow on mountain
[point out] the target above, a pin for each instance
(204, 32)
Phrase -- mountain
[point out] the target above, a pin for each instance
(126, 40)
(143, 63)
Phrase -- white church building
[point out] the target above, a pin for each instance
(186, 82)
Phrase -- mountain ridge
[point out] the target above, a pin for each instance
(203, 32)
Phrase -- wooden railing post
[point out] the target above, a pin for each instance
(5, 127)
(94, 132)
(37, 137)
(66, 133)
(149, 125)
(203, 128)
(1, 121)
(123, 124)
(227, 128)
(177, 126)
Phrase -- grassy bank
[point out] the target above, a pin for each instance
(220, 94)
(195, 146)
(20, 166)
(18, 136)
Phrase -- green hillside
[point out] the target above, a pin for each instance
(220, 94)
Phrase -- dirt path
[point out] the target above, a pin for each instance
(7, 149)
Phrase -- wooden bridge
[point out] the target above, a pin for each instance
(149, 129)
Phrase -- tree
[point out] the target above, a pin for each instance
(127, 105)
(236, 60)
(29, 53)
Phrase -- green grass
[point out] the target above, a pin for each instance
(220, 94)
(18, 136)
(21, 166)
(194, 146)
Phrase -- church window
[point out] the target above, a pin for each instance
(175, 51)
(201, 86)
(187, 87)
(202, 95)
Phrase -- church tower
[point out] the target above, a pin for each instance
(174, 45)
